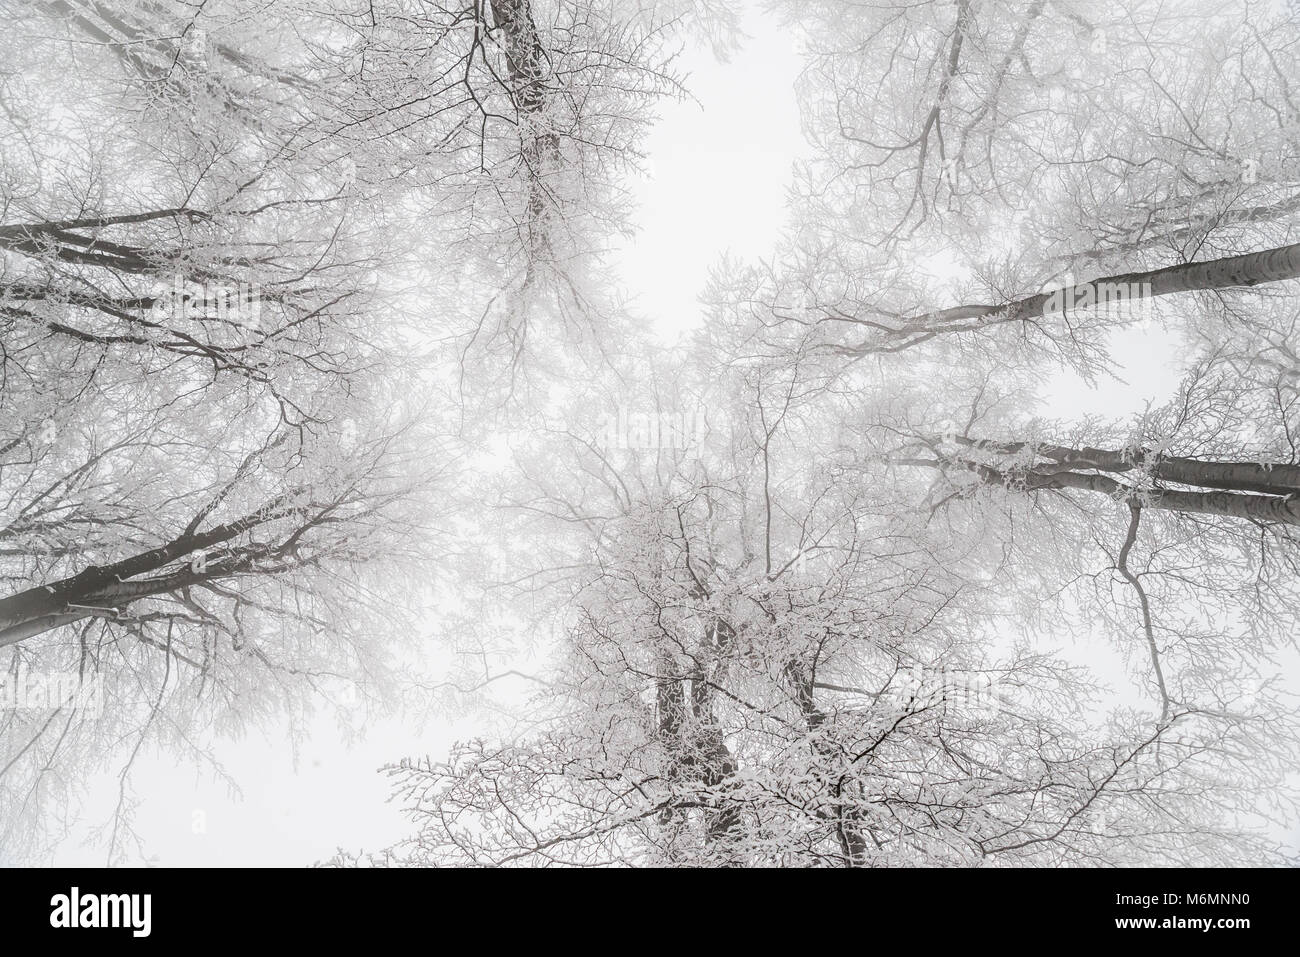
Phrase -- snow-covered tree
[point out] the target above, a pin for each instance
(211, 220)
(777, 651)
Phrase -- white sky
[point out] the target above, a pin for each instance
(717, 175)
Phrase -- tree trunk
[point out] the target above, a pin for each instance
(1250, 269)
(1271, 478)
(105, 588)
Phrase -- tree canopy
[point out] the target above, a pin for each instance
(311, 353)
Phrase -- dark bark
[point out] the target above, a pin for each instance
(1250, 269)
(696, 744)
(1280, 478)
(105, 589)
(527, 68)
(1264, 493)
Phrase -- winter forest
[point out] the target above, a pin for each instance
(959, 529)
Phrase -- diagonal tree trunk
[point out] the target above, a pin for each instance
(1272, 478)
(1250, 269)
(103, 589)
(1265, 493)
